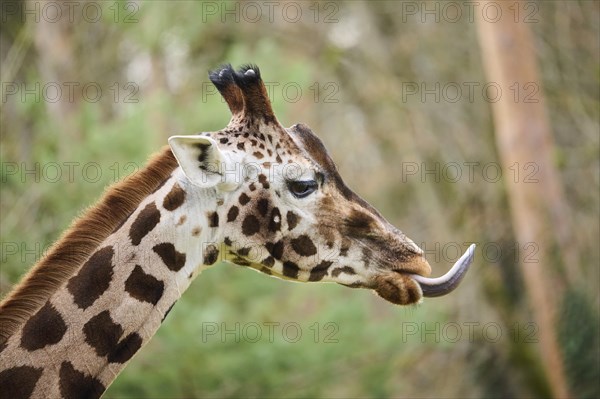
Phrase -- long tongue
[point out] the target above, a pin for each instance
(445, 284)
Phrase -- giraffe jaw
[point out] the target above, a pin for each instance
(445, 284)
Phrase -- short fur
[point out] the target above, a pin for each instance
(80, 240)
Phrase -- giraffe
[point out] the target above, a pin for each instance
(254, 194)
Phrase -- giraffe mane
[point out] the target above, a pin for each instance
(80, 240)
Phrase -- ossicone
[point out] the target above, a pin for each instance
(244, 92)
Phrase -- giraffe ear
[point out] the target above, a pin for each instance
(201, 161)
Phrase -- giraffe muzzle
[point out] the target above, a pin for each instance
(445, 284)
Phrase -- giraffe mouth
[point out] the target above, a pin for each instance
(433, 287)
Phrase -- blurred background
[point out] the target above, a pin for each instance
(423, 120)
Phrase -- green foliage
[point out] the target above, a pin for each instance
(579, 331)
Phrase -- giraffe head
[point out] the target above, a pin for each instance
(283, 208)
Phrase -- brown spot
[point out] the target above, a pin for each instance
(276, 250)
(233, 213)
(252, 186)
(240, 146)
(44, 328)
(318, 272)
(339, 270)
(74, 384)
(93, 278)
(144, 287)
(174, 199)
(263, 206)
(102, 334)
(290, 269)
(263, 180)
(213, 219)
(182, 220)
(304, 246)
(292, 220)
(146, 220)
(196, 231)
(211, 254)
(244, 199)
(171, 258)
(275, 220)
(126, 348)
(258, 155)
(19, 382)
(228, 241)
(244, 251)
(250, 226)
(268, 261)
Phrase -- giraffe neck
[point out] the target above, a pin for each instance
(88, 329)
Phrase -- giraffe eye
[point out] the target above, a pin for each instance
(302, 189)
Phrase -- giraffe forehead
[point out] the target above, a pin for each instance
(287, 154)
(316, 151)
(247, 134)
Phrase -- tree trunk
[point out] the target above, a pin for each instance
(524, 143)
